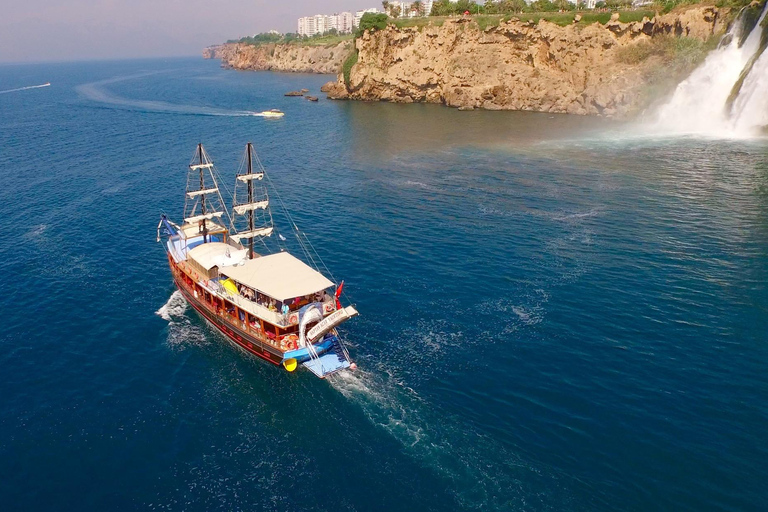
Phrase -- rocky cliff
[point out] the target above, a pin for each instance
(281, 57)
(519, 64)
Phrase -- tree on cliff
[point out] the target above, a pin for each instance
(442, 8)
(418, 7)
(373, 21)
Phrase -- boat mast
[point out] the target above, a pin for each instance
(250, 199)
(202, 186)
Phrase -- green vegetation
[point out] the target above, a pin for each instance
(485, 21)
(346, 68)
(332, 37)
(372, 21)
(680, 52)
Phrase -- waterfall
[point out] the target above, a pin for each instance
(726, 95)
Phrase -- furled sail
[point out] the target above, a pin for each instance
(251, 216)
(253, 234)
(248, 177)
(203, 201)
(207, 216)
(195, 193)
(258, 205)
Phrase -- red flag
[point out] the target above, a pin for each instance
(338, 294)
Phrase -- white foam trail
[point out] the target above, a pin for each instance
(477, 482)
(385, 402)
(25, 88)
(95, 91)
(173, 308)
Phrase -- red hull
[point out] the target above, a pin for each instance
(229, 328)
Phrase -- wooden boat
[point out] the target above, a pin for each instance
(273, 305)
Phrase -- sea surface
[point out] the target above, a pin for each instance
(556, 313)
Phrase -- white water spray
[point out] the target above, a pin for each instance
(174, 308)
(699, 104)
(25, 88)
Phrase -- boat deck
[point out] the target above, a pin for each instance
(327, 364)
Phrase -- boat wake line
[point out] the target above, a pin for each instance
(97, 92)
(484, 474)
(25, 88)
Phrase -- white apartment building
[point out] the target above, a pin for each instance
(320, 23)
(345, 22)
(406, 8)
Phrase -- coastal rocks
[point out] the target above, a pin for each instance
(281, 57)
(294, 93)
(516, 65)
(313, 98)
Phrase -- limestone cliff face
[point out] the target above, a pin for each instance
(517, 65)
(281, 57)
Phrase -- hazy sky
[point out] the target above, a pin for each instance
(53, 30)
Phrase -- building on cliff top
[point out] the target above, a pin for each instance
(343, 23)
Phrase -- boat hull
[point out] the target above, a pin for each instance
(236, 334)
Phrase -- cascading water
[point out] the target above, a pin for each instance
(703, 103)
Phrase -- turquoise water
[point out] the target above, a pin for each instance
(555, 314)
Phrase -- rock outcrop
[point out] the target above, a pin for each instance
(281, 57)
(517, 65)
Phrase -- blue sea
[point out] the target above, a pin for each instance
(555, 312)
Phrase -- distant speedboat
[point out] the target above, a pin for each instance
(272, 113)
(273, 305)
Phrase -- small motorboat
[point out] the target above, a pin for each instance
(271, 113)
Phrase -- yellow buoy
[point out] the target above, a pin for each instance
(290, 364)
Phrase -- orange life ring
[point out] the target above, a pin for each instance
(328, 307)
(293, 318)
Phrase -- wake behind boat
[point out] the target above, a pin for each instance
(273, 305)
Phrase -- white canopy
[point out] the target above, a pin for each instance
(280, 276)
(216, 254)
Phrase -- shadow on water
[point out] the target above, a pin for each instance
(381, 130)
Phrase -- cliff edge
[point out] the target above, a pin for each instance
(281, 57)
(521, 65)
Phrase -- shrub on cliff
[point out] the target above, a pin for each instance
(373, 21)
(346, 68)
